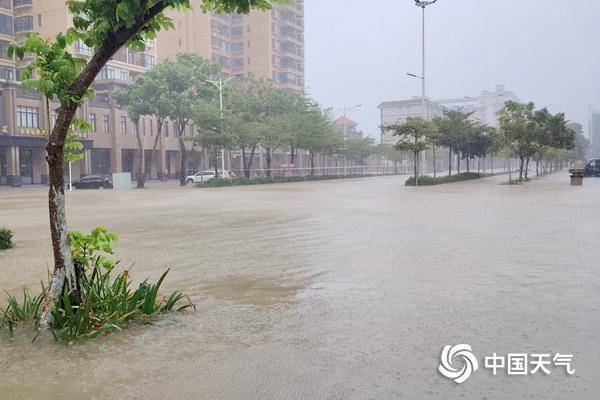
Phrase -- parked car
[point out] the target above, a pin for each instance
(93, 182)
(592, 167)
(205, 176)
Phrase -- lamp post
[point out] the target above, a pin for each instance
(424, 109)
(344, 111)
(220, 84)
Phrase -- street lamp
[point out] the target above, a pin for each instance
(422, 4)
(220, 84)
(345, 110)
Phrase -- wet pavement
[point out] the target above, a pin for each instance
(326, 290)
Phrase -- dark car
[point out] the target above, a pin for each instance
(93, 182)
(592, 167)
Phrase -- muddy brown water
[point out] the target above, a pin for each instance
(325, 290)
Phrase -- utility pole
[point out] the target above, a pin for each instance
(344, 111)
(220, 84)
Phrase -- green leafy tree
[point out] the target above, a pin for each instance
(105, 26)
(413, 137)
(212, 134)
(453, 128)
(359, 150)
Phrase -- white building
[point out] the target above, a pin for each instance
(484, 108)
(398, 111)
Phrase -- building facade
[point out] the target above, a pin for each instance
(484, 108)
(393, 112)
(268, 45)
(265, 44)
(594, 126)
(348, 128)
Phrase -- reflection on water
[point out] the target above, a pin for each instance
(326, 290)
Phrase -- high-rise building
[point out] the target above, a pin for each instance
(594, 126)
(268, 45)
(265, 44)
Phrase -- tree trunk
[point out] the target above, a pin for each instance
(64, 268)
(521, 169)
(434, 160)
(527, 169)
(248, 161)
(312, 163)
(269, 160)
(415, 167)
(153, 155)
(449, 161)
(468, 163)
(458, 163)
(292, 156)
(140, 167)
(181, 124)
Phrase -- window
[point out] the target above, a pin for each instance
(39, 19)
(28, 117)
(237, 63)
(151, 127)
(7, 73)
(92, 121)
(237, 47)
(105, 123)
(123, 125)
(134, 128)
(5, 4)
(6, 25)
(166, 128)
(24, 24)
(3, 50)
(237, 31)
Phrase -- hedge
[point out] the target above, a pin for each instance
(425, 180)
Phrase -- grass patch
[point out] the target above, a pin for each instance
(5, 239)
(426, 180)
(275, 179)
(111, 300)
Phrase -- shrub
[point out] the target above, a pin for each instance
(5, 239)
(275, 179)
(425, 180)
(110, 301)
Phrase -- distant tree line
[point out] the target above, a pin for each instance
(255, 116)
(524, 133)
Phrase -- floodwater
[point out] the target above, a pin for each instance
(326, 290)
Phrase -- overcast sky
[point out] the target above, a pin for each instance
(546, 51)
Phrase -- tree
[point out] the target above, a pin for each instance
(360, 150)
(414, 134)
(105, 26)
(317, 134)
(453, 127)
(582, 145)
(518, 130)
(212, 134)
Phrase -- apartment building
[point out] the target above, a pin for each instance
(268, 45)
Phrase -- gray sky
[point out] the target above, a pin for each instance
(546, 51)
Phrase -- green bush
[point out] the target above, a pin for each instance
(425, 180)
(274, 179)
(5, 239)
(110, 301)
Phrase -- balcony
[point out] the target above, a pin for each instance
(19, 4)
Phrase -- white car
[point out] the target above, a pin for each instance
(205, 176)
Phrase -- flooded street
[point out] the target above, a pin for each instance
(325, 290)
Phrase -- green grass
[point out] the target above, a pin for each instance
(111, 300)
(425, 180)
(276, 179)
(5, 239)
